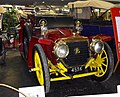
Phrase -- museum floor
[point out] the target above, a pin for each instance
(15, 73)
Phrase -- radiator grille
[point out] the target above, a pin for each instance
(78, 55)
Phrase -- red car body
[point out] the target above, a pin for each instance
(80, 54)
(47, 42)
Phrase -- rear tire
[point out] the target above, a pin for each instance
(3, 55)
(25, 47)
(26, 39)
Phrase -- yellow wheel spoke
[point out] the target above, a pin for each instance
(102, 69)
(104, 64)
(104, 58)
(98, 68)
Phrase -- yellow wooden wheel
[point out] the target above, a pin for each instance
(39, 71)
(102, 61)
(105, 64)
(41, 67)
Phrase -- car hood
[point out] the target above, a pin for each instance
(59, 33)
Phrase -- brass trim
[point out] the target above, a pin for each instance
(75, 38)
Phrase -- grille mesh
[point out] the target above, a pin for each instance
(76, 59)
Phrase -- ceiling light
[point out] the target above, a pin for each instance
(43, 1)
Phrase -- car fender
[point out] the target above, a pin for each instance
(47, 46)
(103, 37)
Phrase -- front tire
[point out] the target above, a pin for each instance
(41, 66)
(105, 61)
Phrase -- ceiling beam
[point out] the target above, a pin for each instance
(30, 2)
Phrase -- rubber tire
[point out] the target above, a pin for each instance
(25, 47)
(27, 34)
(110, 65)
(113, 47)
(28, 30)
(44, 62)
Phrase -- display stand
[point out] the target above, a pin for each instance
(115, 13)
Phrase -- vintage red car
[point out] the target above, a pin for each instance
(53, 48)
